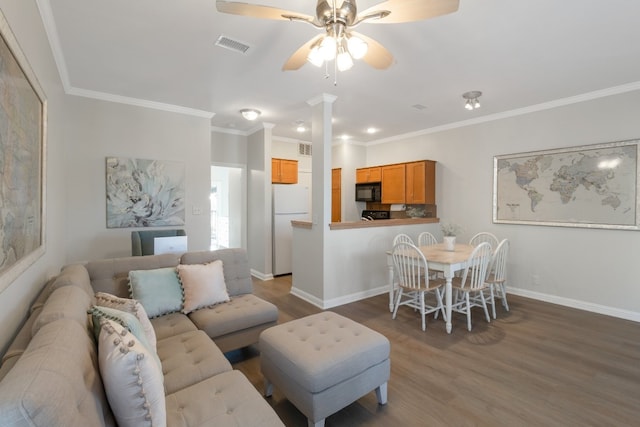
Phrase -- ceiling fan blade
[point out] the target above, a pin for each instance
(407, 11)
(299, 57)
(264, 12)
(377, 55)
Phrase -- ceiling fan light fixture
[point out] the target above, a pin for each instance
(250, 113)
(357, 47)
(328, 48)
(472, 99)
(344, 60)
(316, 56)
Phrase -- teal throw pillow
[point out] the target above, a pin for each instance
(158, 290)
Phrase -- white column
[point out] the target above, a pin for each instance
(309, 245)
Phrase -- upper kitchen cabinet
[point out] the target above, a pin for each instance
(420, 182)
(364, 175)
(393, 183)
(284, 171)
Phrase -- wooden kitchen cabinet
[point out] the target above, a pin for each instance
(336, 195)
(284, 171)
(393, 183)
(420, 185)
(372, 174)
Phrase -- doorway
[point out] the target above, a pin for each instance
(227, 206)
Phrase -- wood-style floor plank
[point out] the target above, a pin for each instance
(538, 365)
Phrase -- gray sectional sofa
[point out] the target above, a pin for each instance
(50, 375)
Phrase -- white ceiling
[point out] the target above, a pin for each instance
(522, 54)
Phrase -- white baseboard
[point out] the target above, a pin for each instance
(260, 275)
(567, 302)
(580, 305)
(326, 304)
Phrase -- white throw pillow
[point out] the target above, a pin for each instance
(132, 379)
(132, 306)
(202, 284)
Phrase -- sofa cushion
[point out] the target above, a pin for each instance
(226, 400)
(158, 290)
(171, 325)
(203, 285)
(56, 382)
(132, 378)
(242, 312)
(71, 275)
(130, 306)
(189, 358)
(112, 275)
(67, 302)
(237, 275)
(22, 339)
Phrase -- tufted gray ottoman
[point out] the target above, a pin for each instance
(324, 362)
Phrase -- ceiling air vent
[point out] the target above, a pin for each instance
(231, 44)
(304, 149)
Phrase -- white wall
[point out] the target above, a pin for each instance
(349, 157)
(585, 268)
(25, 22)
(99, 129)
(259, 203)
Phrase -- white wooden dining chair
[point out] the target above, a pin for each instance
(414, 285)
(402, 238)
(426, 239)
(497, 276)
(470, 288)
(484, 236)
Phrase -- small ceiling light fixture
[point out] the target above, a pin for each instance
(371, 130)
(250, 113)
(300, 127)
(472, 99)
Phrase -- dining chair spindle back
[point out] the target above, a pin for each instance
(414, 285)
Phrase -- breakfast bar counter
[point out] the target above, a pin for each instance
(369, 224)
(381, 223)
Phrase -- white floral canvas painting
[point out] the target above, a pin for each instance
(144, 193)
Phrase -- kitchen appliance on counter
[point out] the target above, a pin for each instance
(371, 215)
(369, 192)
(290, 202)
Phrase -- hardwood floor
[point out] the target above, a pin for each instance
(538, 365)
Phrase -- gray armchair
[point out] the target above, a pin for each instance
(142, 241)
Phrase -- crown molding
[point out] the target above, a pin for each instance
(616, 90)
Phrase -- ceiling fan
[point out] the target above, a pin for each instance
(338, 41)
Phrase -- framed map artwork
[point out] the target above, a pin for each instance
(23, 118)
(592, 186)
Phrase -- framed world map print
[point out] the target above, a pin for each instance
(592, 186)
(23, 118)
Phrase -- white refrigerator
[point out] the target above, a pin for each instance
(290, 202)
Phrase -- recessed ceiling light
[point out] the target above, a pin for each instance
(300, 127)
(345, 137)
(250, 113)
(371, 130)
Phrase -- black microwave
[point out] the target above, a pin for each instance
(369, 192)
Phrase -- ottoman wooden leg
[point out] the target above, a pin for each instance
(381, 394)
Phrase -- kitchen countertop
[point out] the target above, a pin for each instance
(369, 224)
